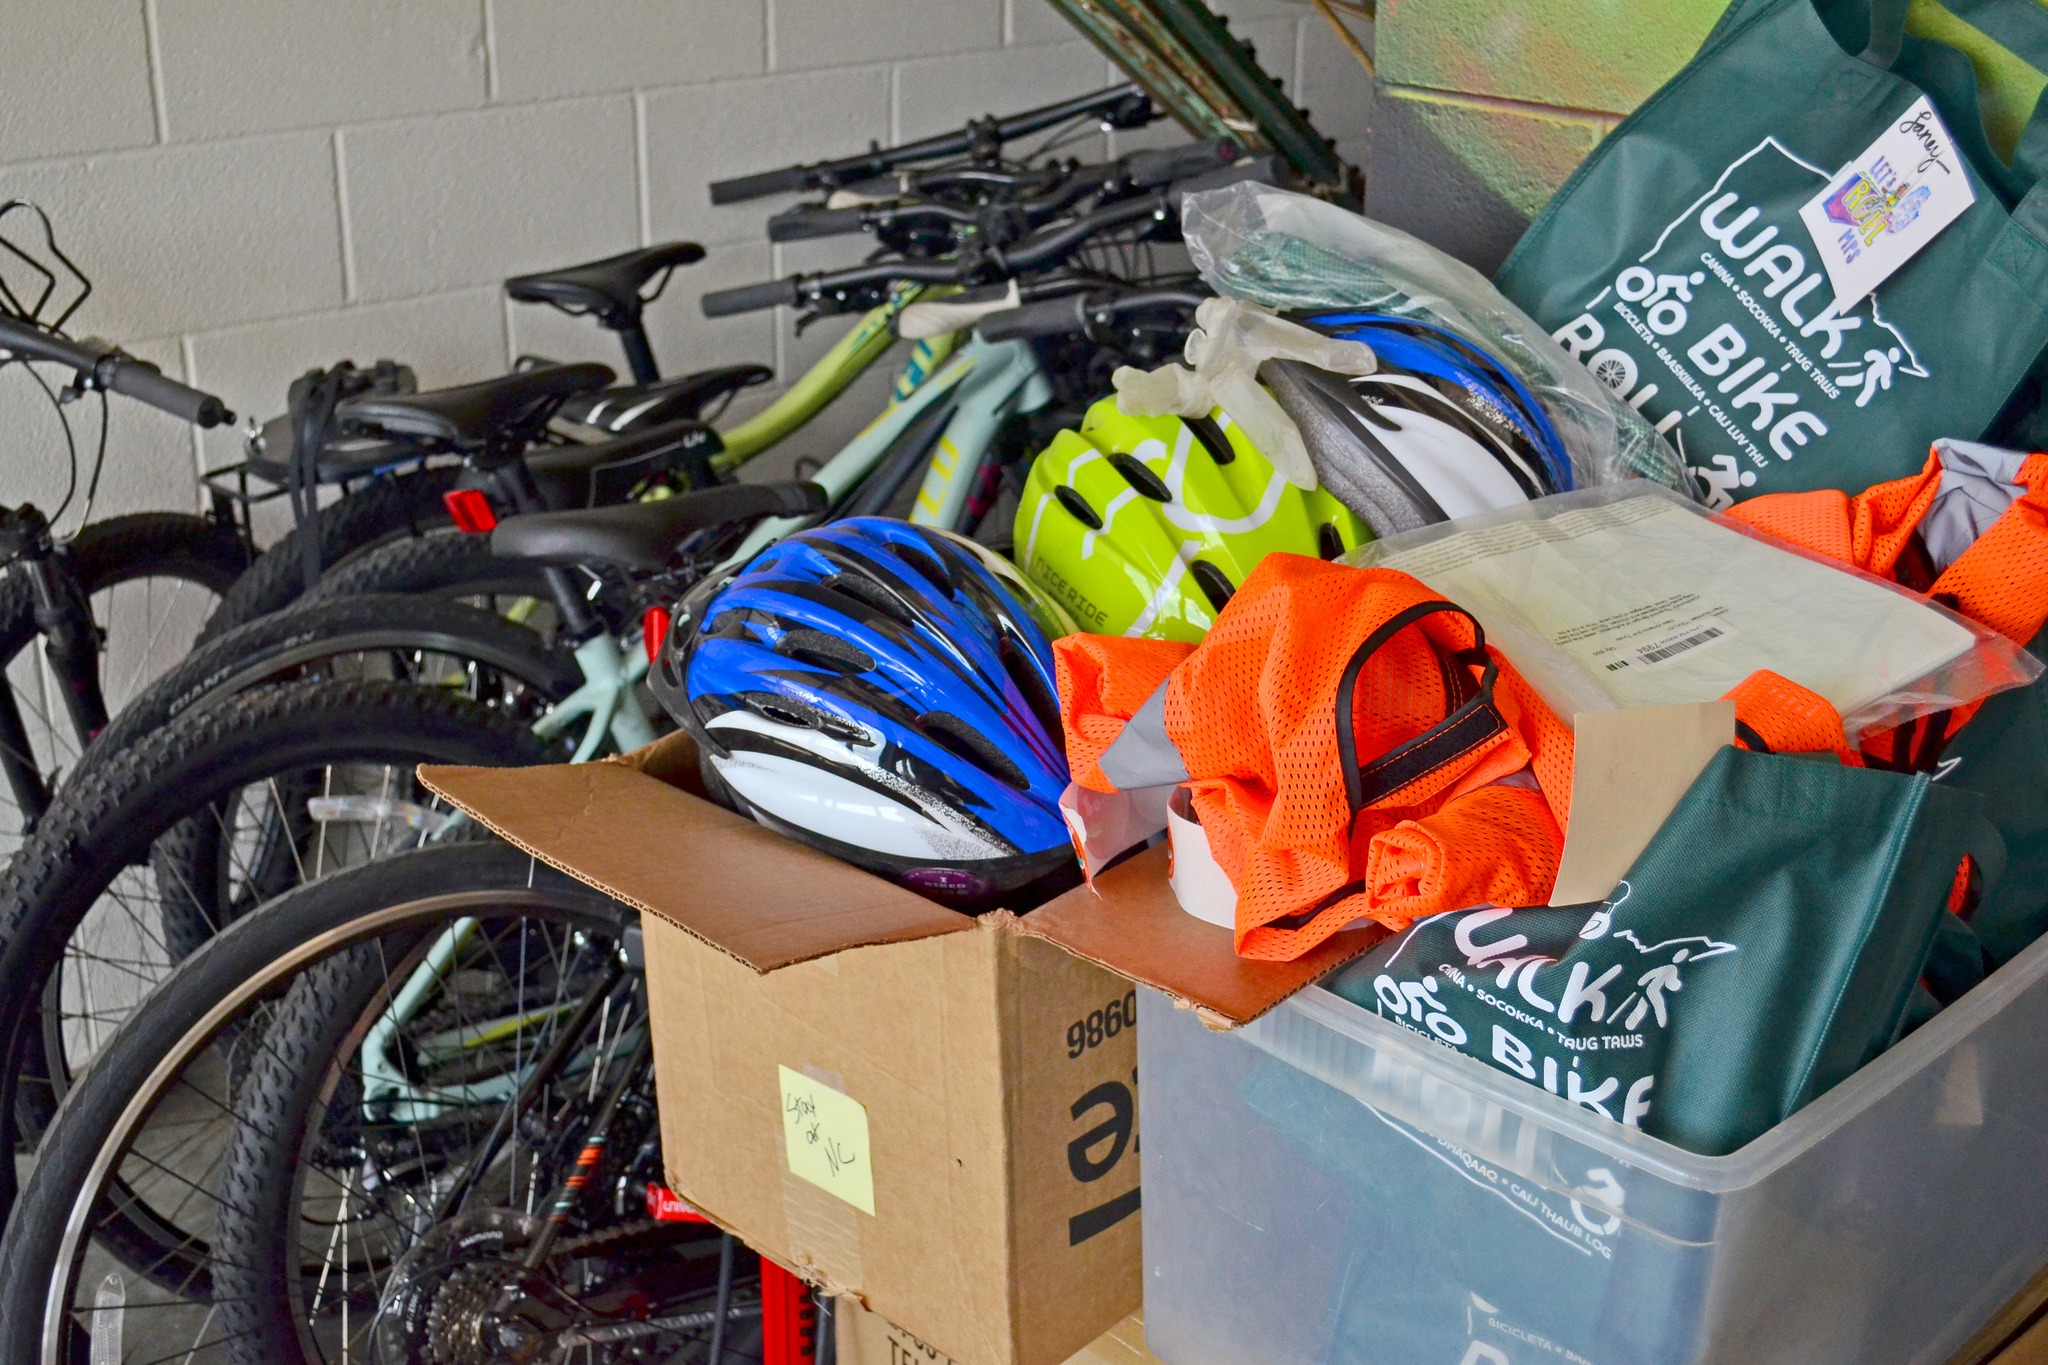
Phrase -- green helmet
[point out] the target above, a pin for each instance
(1146, 525)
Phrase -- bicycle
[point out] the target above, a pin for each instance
(103, 599)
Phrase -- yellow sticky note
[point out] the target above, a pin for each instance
(825, 1134)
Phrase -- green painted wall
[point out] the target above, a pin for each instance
(1485, 106)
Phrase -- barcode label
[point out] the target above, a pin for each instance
(1669, 649)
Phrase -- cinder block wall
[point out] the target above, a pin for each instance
(260, 186)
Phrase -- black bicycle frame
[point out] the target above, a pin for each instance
(71, 644)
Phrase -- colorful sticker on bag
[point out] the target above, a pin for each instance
(1887, 204)
(1726, 336)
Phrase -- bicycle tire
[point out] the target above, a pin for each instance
(103, 556)
(108, 820)
(395, 505)
(440, 563)
(252, 1247)
(313, 631)
(120, 550)
(248, 958)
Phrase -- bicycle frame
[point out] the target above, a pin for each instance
(832, 374)
(984, 383)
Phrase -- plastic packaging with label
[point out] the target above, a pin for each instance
(1290, 251)
(1632, 595)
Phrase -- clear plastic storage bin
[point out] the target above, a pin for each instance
(1324, 1186)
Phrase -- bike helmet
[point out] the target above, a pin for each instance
(1146, 525)
(884, 692)
(1440, 430)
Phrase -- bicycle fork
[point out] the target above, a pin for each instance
(71, 644)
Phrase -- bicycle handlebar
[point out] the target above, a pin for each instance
(101, 365)
(1048, 194)
(1046, 248)
(1079, 312)
(807, 223)
(1124, 106)
(750, 298)
(142, 381)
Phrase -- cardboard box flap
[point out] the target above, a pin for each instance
(1131, 924)
(654, 846)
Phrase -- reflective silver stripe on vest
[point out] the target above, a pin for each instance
(1142, 755)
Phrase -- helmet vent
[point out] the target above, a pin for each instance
(1139, 477)
(771, 707)
(1329, 543)
(869, 594)
(820, 650)
(1215, 584)
(1078, 506)
(1212, 438)
(1372, 412)
(926, 564)
(1023, 673)
(969, 745)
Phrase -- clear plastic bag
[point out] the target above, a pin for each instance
(1635, 596)
(1287, 251)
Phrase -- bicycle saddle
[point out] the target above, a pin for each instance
(609, 288)
(608, 471)
(473, 413)
(642, 535)
(633, 407)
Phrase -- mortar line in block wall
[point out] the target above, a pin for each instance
(490, 50)
(348, 243)
(641, 194)
(768, 36)
(152, 51)
(505, 315)
(189, 360)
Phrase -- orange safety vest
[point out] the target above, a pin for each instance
(1354, 749)
(2000, 581)
(1320, 814)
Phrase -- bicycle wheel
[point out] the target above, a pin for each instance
(334, 1210)
(452, 566)
(426, 640)
(393, 506)
(293, 781)
(149, 579)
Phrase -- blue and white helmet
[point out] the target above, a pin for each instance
(1442, 429)
(883, 692)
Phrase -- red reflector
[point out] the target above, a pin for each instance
(471, 510)
(654, 623)
(664, 1205)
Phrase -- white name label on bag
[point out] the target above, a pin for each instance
(1883, 207)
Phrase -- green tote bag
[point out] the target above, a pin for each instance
(1675, 264)
(1776, 935)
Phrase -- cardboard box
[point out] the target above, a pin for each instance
(929, 1113)
(866, 1338)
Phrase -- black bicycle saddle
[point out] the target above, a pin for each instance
(636, 407)
(609, 288)
(642, 535)
(473, 413)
